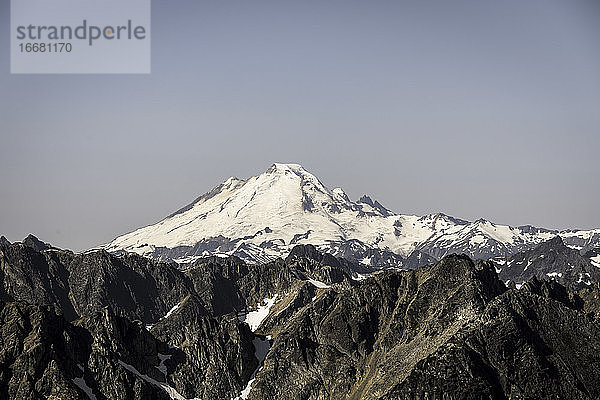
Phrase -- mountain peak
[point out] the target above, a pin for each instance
(282, 168)
(365, 199)
(288, 177)
(293, 203)
(265, 216)
(35, 243)
(340, 192)
(556, 242)
(232, 180)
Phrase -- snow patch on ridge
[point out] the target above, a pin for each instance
(255, 318)
(319, 284)
(167, 315)
(171, 392)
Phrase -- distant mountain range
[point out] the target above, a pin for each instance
(264, 217)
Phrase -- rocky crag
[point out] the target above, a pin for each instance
(312, 326)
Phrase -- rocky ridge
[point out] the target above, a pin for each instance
(307, 327)
(551, 260)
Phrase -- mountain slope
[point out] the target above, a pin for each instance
(306, 327)
(550, 260)
(450, 330)
(77, 284)
(262, 218)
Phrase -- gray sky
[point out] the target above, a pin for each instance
(474, 108)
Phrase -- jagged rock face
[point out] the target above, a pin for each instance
(336, 345)
(43, 356)
(36, 356)
(208, 357)
(448, 330)
(507, 354)
(78, 284)
(134, 287)
(215, 281)
(142, 289)
(32, 276)
(550, 260)
(451, 330)
(556, 352)
(214, 358)
(306, 259)
(229, 285)
(35, 243)
(591, 300)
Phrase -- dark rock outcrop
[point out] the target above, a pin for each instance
(78, 284)
(35, 243)
(71, 323)
(43, 356)
(448, 330)
(551, 260)
(215, 356)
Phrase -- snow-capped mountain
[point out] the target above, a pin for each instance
(265, 216)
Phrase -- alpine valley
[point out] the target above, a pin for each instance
(277, 287)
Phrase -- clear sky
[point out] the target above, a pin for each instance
(473, 108)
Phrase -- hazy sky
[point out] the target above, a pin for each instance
(474, 108)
